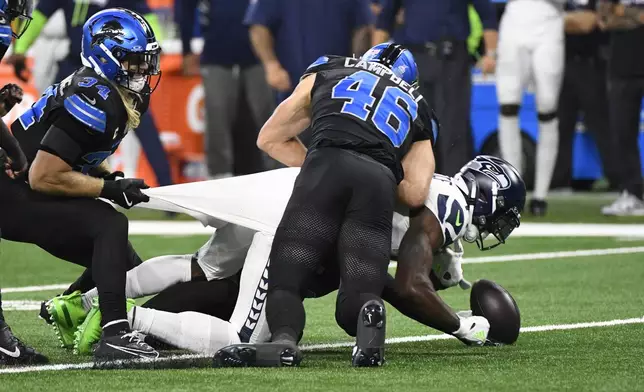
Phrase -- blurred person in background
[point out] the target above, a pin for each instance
(76, 13)
(531, 46)
(436, 32)
(583, 89)
(288, 35)
(229, 68)
(625, 21)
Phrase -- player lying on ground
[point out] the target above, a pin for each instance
(68, 133)
(12, 161)
(455, 208)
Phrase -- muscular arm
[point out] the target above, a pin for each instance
(263, 44)
(412, 291)
(418, 166)
(580, 22)
(50, 174)
(278, 137)
(361, 40)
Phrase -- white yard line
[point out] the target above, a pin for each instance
(21, 305)
(171, 228)
(469, 260)
(406, 339)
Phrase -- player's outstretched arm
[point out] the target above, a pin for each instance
(418, 166)
(412, 291)
(278, 137)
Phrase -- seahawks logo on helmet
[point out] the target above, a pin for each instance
(490, 169)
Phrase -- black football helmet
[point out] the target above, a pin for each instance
(495, 194)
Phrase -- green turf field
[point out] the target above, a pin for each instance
(549, 292)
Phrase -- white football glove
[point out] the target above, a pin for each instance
(447, 266)
(473, 330)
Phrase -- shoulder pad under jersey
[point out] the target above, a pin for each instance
(447, 203)
(324, 63)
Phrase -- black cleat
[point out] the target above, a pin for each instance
(538, 207)
(258, 355)
(44, 313)
(124, 346)
(369, 350)
(14, 352)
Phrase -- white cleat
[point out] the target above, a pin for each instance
(625, 205)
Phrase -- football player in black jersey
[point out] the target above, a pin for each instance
(67, 135)
(12, 162)
(372, 136)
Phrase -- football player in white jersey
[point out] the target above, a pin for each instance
(486, 197)
(531, 47)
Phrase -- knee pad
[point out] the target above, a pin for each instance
(510, 110)
(545, 117)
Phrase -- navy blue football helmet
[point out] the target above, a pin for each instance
(495, 193)
(19, 13)
(120, 45)
(397, 58)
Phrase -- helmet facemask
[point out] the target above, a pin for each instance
(19, 13)
(500, 226)
(140, 71)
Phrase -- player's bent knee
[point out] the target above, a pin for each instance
(510, 110)
(546, 117)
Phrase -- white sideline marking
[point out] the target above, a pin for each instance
(407, 339)
(469, 260)
(170, 228)
(21, 305)
(30, 289)
(548, 255)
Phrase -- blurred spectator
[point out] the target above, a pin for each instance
(625, 93)
(76, 13)
(436, 31)
(288, 35)
(583, 89)
(229, 70)
(531, 48)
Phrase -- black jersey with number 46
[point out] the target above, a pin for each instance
(88, 118)
(363, 106)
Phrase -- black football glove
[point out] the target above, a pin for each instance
(125, 192)
(10, 95)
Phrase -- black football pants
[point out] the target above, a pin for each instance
(340, 212)
(83, 231)
(625, 104)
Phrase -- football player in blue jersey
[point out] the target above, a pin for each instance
(67, 136)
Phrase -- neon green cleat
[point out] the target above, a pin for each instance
(89, 333)
(67, 314)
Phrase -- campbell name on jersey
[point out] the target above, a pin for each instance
(87, 108)
(363, 106)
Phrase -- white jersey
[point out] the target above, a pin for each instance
(447, 203)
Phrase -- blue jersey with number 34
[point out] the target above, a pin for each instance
(89, 117)
(363, 106)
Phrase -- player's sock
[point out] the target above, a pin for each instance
(510, 141)
(546, 157)
(1, 313)
(188, 330)
(285, 316)
(151, 277)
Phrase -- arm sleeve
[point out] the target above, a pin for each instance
(187, 21)
(262, 12)
(486, 12)
(67, 138)
(11, 146)
(387, 18)
(38, 22)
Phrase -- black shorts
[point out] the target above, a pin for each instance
(338, 217)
